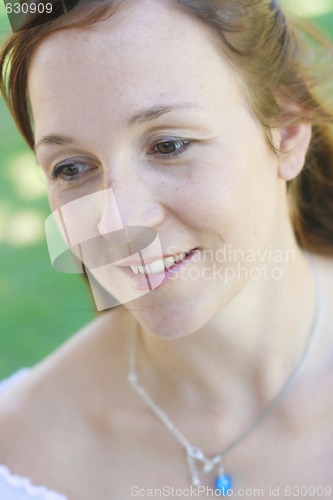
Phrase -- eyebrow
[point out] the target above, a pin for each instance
(147, 115)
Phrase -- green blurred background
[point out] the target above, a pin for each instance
(40, 308)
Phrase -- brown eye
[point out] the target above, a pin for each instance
(171, 148)
(166, 147)
(69, 172)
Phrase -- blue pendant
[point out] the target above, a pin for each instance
(223, 484)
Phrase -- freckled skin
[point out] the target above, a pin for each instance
(224, 190)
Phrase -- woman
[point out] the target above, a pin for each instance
(197, 120)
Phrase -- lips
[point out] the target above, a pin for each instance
(151, 281)
(135, 261)
(158, 266)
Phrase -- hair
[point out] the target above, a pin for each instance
(277, 58)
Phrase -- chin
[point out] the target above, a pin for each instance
(169, 320)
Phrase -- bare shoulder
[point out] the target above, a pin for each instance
(58, 401)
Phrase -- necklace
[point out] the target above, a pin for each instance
(223, 482)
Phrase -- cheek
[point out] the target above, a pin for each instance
(60, 195)
(53, 199)
(215, 188)
(231, 193)
(58, 200)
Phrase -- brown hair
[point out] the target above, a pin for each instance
(275, 57)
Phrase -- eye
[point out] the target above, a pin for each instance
(171, 147)
(70, 172)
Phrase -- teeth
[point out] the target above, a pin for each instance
(169, 261)
(159, 265)
(135, 269)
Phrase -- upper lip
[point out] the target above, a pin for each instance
(134, 261)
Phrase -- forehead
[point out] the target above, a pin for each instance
(146, 51)
(135, 25)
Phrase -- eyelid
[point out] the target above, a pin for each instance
(57, 170)
(156, 141)
(186, 144)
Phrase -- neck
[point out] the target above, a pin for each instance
(245, 352)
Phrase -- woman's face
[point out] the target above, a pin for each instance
(201, 174)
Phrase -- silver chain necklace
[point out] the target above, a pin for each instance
(223, 482)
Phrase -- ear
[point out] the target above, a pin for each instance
(293, 143)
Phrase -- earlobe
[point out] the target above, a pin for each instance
(293, 145)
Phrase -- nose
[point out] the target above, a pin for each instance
(130, 202)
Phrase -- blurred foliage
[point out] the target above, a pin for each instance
(39, 308)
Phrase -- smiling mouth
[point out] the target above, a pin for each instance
(160, 265)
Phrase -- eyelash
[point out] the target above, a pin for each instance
(58, 170)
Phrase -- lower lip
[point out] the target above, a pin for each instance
(156, 280)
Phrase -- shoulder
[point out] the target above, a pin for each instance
(94, 348)
(15, 449)
(56, 401)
